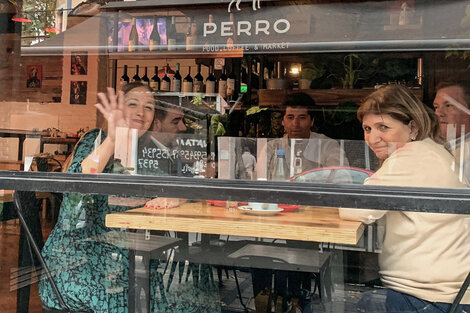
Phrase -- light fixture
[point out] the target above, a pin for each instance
(295, 69)
(21, 17)
(169, 71)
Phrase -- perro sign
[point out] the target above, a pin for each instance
(280, 26)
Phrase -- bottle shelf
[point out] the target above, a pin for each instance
(152, 55)
(322, 96)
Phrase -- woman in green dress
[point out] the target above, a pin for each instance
(92, 275)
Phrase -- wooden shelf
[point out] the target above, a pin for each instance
(321, 96)
(403, 27)
(152, 55)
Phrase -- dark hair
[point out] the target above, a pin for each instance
(299, 100)
(401, 104)
(162, 107)
(464, 84)
(128, 87)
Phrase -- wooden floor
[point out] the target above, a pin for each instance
(344, 300)
(9, 238)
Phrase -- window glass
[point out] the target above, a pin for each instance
(229, 156)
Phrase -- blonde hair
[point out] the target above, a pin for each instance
(401, 104)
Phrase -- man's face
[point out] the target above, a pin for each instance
(171, 125)
(297, 122)
(449, 113)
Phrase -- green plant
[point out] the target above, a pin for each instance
(351, 68)
(218, 125)
(312, 70)
(255, 110)
(333, 121)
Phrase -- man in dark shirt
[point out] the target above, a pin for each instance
(158, 152)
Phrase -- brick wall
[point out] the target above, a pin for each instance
(23, 115)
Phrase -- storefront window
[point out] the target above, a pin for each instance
(262, 156)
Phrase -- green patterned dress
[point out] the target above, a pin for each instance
(93, 275)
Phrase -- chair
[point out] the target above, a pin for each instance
(54, 199)
(30, 254)
(460, 294)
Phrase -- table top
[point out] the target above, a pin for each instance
(59, 140)
(20, 132)
(319, 224)
(6, 196)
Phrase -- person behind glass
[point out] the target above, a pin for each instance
(425, 256)
(249, 164)
(92, 275)
(316, 150)
(451, 106)
(158, 152)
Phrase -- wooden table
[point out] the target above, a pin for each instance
(70, 142)
(6, 200)
(6, 196)
(21, 135)
(318, 224)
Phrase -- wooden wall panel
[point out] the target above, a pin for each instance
(51, 85)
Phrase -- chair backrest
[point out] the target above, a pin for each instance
(460, 294)
(28, 214)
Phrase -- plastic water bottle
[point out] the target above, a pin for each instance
(281, 171)
(298, 163)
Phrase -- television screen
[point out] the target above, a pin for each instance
(124, 29)
(144, 27)
(110, 34)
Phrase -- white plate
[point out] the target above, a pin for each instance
(248, 210)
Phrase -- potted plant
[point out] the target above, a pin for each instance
(311, 70)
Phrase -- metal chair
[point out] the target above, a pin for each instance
(460, 294)
(30, 254)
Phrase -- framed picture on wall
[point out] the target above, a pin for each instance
(78, 92)
(79, 63)
(33, 76)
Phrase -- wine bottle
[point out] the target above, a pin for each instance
(133, 37)
(188, 82)
(210, 81)
(231, 39)
(223, 84)
(231, 79)
(166, 81)
(136, 77)
(176, 86)
(155, 82)
(198, 85)
(154, 40)
(191, 35)
(124, 78)
(207, 43)
(171, 35)
(243, 81)
(145, 78)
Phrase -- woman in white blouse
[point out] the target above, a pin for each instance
(425, 256)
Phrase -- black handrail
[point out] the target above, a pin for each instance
(434, 200)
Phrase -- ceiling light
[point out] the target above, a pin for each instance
(21, 17)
